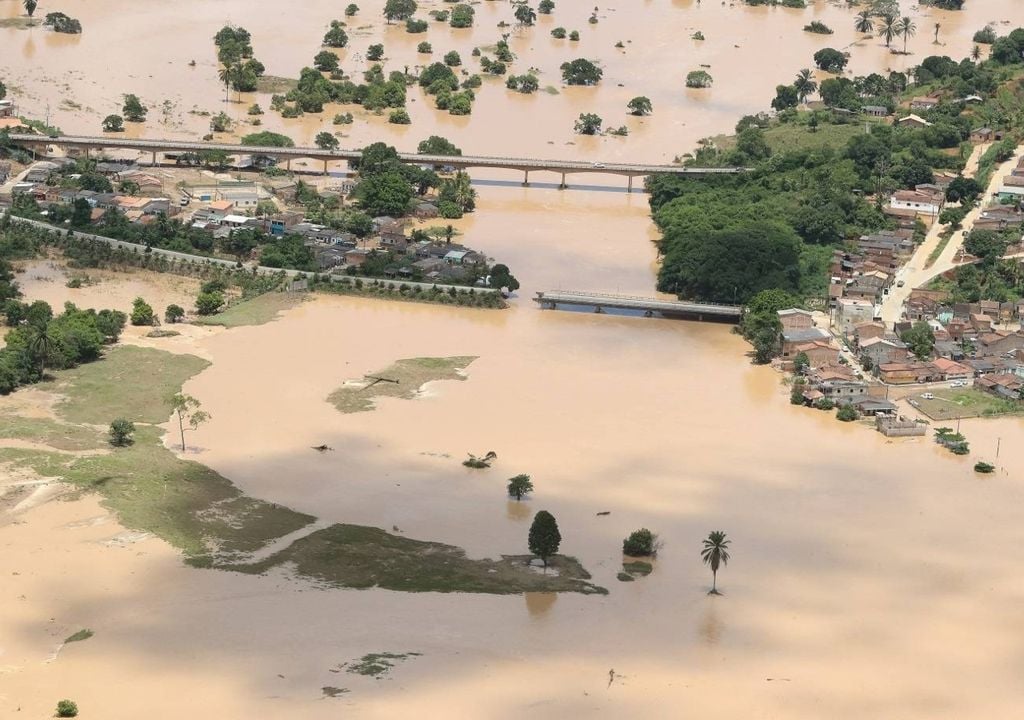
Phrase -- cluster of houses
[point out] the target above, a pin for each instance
(968, 350)
(426, 260)
(867, 270)
(143, 207)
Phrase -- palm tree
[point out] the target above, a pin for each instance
(906, 28)
(863, 23)
(804, 84)
(226, 75)
(889, 28)
(30, 6)
(976, 53)
(40, 346)
(937, 26)
(715, 553)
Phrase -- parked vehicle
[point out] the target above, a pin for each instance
(927, 396)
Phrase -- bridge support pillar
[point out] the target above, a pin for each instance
(629, 184)
(563, 186)
(526, 178)
(87, 153)
(288, 164)
(598, 310)
(325, 167)
(152, 162)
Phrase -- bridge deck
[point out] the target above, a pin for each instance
(457, 161)
(628, 302)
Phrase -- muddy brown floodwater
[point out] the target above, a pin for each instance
(866, 573)
(870, 578)
(146, 48)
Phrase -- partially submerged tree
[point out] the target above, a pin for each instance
(698, 79)
(588, 124)
(640, 543)
(326, 141)
(520, 486)
(715, 553)
(544, 537)
(399, 9)
(113, 123)
(134, 110)
(640, 105)
(189, 412)
(30, 6)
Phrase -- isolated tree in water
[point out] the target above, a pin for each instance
(187, 408)
(399, 9)
(863, 22)
(544, 537)
(326, 141)
(640, 105)
(30, 6)
(715, 553)
(520, 486)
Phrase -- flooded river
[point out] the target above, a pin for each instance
(748, 51)
(866, 573)
(869, 578)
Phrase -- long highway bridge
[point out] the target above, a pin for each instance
(287, 154)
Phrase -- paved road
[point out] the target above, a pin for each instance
(914, 274)
(461, 161)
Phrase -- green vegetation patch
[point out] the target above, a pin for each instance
(182, 502)
(55, 434)
(79, 636)
(275, 85)
(966, 403)
(257, 311)
(786, 137)
(130, 382)
(625, 577)
(357, 556)
(410, 375)
(638, 568)
(377, 665)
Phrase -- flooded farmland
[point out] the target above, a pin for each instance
(869, 577)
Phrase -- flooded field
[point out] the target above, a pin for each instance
(862, 568)
(747, 50)
(869, 578)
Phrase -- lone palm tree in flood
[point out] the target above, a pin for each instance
(715, 553)
(976, 53)
(906, 28)
(30, 6)
(938, 26)
(804, 84)
(863, 22)
(227, 76)
(889, 28)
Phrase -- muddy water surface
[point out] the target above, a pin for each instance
(869, 577)
(862, 573)
(146, 48)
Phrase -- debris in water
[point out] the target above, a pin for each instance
(604, 512)
(322, 448)
(485, 462)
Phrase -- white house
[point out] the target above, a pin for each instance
(920, 202)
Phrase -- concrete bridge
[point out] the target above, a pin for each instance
(287, 154)
(649, 306)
